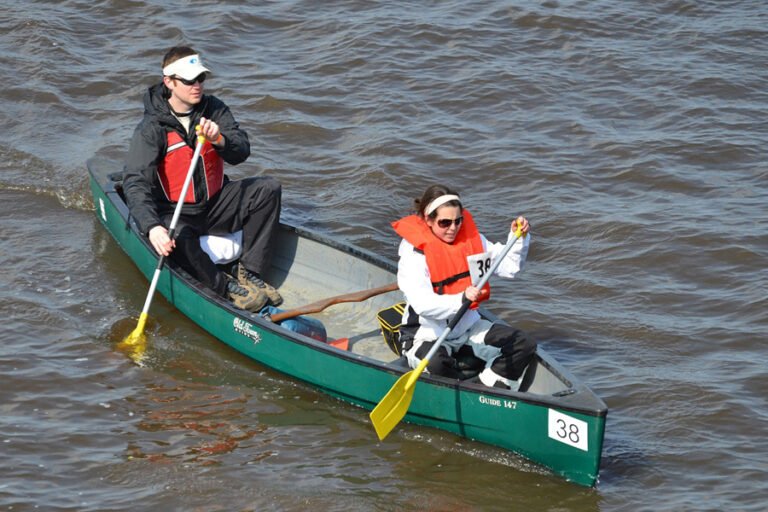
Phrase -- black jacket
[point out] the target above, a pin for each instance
(141, 183)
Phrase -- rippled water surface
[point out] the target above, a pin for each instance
(632, 134)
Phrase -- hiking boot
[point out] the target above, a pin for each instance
(254, 282)
(246, 298)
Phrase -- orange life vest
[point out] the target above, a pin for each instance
(447, 263)
(173, 169)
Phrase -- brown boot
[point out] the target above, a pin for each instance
(246, 298)
(254, 282)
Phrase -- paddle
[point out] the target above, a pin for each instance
(395, 403)
(320, 305)
(137, 338)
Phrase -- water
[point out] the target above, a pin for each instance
(631, 134)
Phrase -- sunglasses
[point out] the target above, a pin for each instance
(199, 78)
(446, 223)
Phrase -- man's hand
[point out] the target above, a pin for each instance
(158, 237)
(211, 131)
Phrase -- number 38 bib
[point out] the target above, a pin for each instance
(479, 265)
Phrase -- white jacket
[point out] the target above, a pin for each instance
(435, 311)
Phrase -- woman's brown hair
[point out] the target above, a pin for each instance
(432, 193)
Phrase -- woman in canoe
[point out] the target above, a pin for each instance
(442, 253)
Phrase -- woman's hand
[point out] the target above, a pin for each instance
(520, 222)
(473, 294)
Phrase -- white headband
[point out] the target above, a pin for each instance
(187, 67)
(440, 201)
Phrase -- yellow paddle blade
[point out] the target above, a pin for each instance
(137, 335)
(394, 405)
(135, 344)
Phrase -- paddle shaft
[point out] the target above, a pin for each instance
(320, 305)
(172, 227)
(465, 302)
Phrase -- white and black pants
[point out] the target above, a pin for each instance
(506, 351)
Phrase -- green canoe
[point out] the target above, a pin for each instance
(557, 422)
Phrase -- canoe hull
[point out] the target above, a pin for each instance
(563, 433)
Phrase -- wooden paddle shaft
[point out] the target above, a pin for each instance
(320, 305)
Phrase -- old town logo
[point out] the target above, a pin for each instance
(246, 329)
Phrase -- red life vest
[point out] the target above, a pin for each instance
(173, 169)
(447, 263)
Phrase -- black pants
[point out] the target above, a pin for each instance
(517, 351)
(251, 204)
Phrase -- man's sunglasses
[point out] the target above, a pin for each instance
(199, 78)
(446, 223)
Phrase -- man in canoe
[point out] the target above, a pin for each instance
(442, 253)
(158, 160)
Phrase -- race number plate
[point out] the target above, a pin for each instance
(479, 265)
(568, 430)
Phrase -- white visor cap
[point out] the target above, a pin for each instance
(188, 68)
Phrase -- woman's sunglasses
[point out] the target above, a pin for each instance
(446, 223)
(199, 78)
